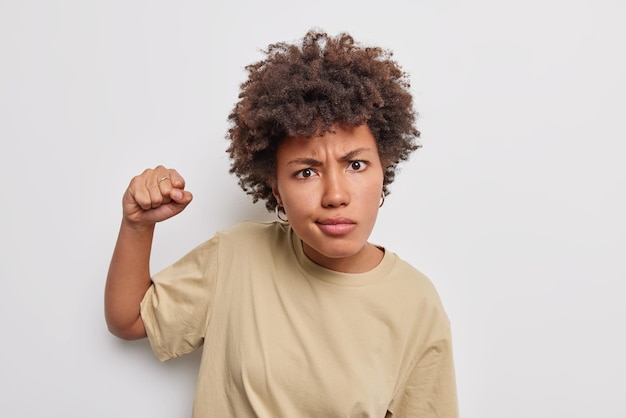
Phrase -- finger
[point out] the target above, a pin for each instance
(180, 201)
(170, 182)
(159, 185)
(175, 180)
(164, 179)
(139, 193)
(156, 197)
(164, 186)
(152, 188)
(181, 197)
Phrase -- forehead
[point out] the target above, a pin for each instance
(340, 140)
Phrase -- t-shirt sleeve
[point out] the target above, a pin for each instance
(176, 308)
(430, 390)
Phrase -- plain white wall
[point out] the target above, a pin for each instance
(514, 207)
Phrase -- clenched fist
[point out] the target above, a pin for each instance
(154, 196)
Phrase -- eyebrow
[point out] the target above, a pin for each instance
(313, 162)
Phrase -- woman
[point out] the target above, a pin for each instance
(301, 317)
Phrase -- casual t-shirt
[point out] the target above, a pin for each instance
(285, 337)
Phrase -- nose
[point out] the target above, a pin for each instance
(336, 191)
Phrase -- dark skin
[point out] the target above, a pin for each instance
(301, 91)
(306, 88)
(153, 196)
(343, 187)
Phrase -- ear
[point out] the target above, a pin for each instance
(276, 193)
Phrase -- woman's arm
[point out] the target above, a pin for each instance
(153, 196)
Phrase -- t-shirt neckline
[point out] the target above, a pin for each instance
(315, 271)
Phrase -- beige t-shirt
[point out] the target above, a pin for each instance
(285, 337)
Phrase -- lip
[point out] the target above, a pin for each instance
(336, 226)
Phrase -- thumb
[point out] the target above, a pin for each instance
(181, 197)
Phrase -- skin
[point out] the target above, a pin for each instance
(153, 196)
(330, 187)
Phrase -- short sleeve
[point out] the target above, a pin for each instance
(430, 391)
(176, 308)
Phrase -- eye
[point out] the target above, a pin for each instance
(357, 165)
(306, 173)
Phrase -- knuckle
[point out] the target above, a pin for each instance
(135, 180)
(143, 201)
(156, 202)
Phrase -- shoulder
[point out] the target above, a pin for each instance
(255, 227)
(419, 294)
(411, 278)
(254, 236)
(254, 230)
(239, 236)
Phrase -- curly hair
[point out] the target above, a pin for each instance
(303, 90)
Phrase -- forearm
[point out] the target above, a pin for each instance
(128, 280)
(153, 196)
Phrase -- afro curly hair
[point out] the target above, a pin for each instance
(303, 90)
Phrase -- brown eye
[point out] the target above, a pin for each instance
(357, 165)
(305, 173)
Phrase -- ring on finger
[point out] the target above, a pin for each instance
(162, 179)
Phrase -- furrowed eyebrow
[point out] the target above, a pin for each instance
(314, 163)
(305, 161)
(350, 155)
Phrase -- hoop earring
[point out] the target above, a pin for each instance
(277, 209)
(382, 200)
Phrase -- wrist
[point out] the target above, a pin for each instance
(138, 227)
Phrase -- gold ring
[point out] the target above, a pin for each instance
(162, 179)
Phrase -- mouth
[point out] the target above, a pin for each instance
(336, 226)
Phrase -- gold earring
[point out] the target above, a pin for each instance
(278, 210)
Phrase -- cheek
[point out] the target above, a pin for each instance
(372, 187)
(294, 198)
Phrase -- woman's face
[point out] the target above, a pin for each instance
(330, 187)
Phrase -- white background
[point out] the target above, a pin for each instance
(514, 207)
